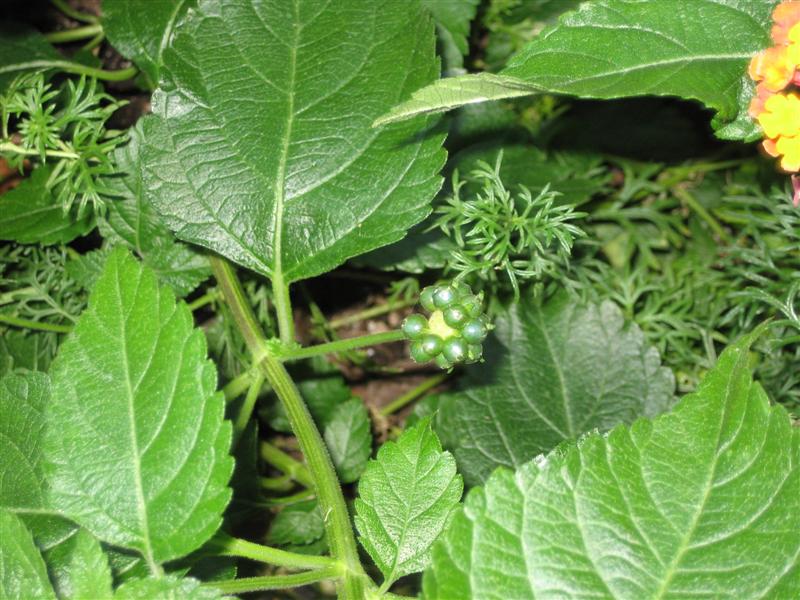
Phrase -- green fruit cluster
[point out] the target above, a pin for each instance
(453, 332)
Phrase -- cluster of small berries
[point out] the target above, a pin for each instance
(455, 329)
(776, 106)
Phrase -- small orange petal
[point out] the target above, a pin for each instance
(785, 15)
(769, 147)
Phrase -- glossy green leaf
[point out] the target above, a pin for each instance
(79, 568)
(455, 17)
(405, 499)
(299, 523)
(348, 436)
(619, 48)
(23, 488)
(134, 222)
(165, 588)
(23, 49)
(137, 448)
(702, 501)
(141, 30)
(22, 572)
(260, 145)
(552, 372)
(29, 214)
(452, 92)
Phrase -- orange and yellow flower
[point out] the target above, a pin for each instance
(776, 105)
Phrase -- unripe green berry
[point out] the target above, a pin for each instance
(454, 350)
(414, 326)
(432, 344)
(474, 353)
(418, 352)
(455, 316)
(444, 297)
(471, 305)
(442, 362)
(426, 298)
(474, 331)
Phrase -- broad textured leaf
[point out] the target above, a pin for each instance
(141, 30)
(29, 214)
(22, 572)
(137, 224)
(454, 17)
(702, 501)
(299, 523)
(137, 448)
(405, 499)
(617, 48)
(21, 349)
(348, 436)
(23, 49)
(552, 372)
(23, 489)
(79, 568)
(260, 145)
(165, 588)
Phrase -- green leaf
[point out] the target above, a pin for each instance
(454, 16)
(260, 146)
(133, 221)
(552, 372)
(21, 349)
(165, 588)
(22, 572)
(452, 92)
(701, 501)
(79, 568)
(299, 523)
(29, 214)
(619, 48)
(137, 448)
(23, 49)
(141, 30)
(348, 436)
(23, 488)
(405, 499)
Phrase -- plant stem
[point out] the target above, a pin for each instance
(206, 298)
(337, 520)
(281, 460)
(684, 195)
(10, 147)
(375, 311)
(282, 483)
(72, 35)
(413, 394)
(290, 499)
(72, 13)
(237, 386)
(343, 345)
(224, 545)
(283, 309)
(37, 325)
(79, 69)
(274, 582)
(246, 410)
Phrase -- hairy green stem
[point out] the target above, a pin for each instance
(343, 345)
(375, 311)
(282, 461)
(283, 310)
(300, 496)
(15, 149)
(413, 394)
(282, 483)
(37, 325)
(72, 13)
(337, 519)
(237, 386)
(274, 582)
(246, 410)
(224, 545)
(206, 298)
(72, 35)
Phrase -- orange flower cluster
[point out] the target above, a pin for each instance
(776, 106)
